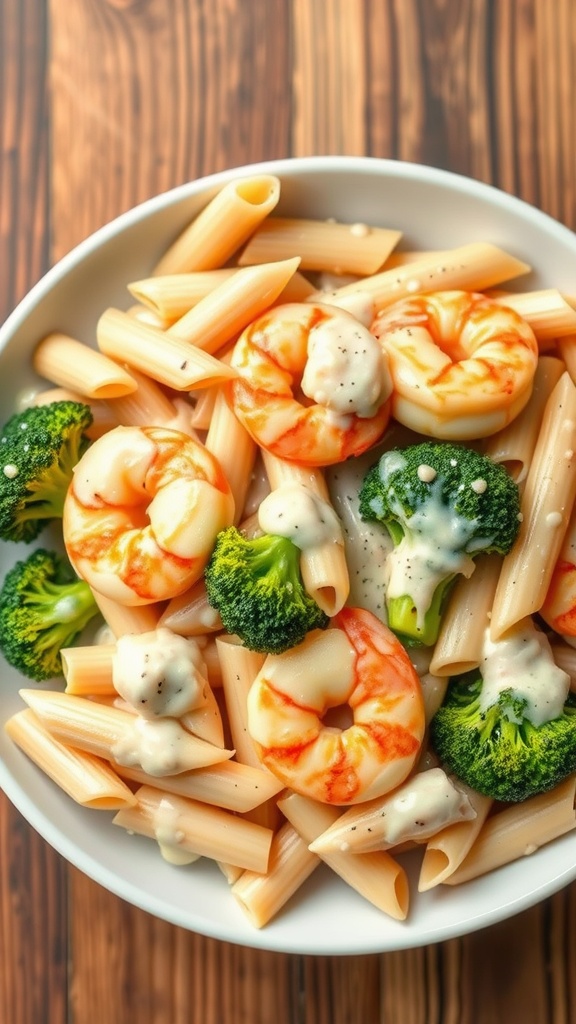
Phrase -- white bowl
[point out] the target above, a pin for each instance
(434, 210)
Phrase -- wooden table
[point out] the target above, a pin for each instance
(104, 103)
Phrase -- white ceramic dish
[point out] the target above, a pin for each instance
(434, 209)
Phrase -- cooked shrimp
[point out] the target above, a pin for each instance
(559, 608)
(142, 513)
(313, 384)
(462, 364)
(358, 663)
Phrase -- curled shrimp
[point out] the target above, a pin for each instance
(313, 384)
(359, 663)
(462, 364)
(142, 513)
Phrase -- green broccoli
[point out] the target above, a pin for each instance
(43, 608)
(40, 448)
(442, 504)
(256, 586)
(499, 752)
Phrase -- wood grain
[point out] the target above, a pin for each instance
(130, 98)
(33, 933)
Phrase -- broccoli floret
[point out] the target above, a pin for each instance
(442, 504)
(43, 608)
(499, 752)
(40, 448)
(256, 586)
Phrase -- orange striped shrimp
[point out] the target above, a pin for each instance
(359, 663)
(142, 513)
(462, 364)
(313, 384)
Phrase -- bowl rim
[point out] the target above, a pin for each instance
(36, 816)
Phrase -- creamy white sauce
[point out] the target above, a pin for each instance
(435, 547)
(367, 545)
(152, 744)
(295, 512)
(420, 807)
(169, 835)
(554, 519)
(346, 369)
(426, 473)
(523, 662)
(159, 673)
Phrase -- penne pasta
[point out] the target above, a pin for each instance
(548, 312)
(114, 734)
(223, 226)
(546, 505)
(88, 670)
(121, 618)
(375, 876)
(321, 245)
(222, 314)
(67, 362)
(231, 785)
(198, 828)
(413, 812)
(323, 567)
(518, 831)
(205, 721)
(190, 614)
(239, 669)
(102, 414)
(446, 850)
(514, 446)
(171, 296)
(467, 617)
(474, 267)
(232, 445)
(85, 778)
(165, 359)
(262, 896)
(148, 405)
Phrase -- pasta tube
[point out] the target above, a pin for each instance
(67, 362)
(519, 830)
(321, 245)
(291, 863)
(166, 359)
(546, 506)
(446, 850)
(226, 311)
(474, 267)
(223, 226)
(376, 876)
(115, 735)
(323, 567)
(231, 785)
(85, 778)
(183, 824)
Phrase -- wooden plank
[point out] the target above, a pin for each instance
(32, 877)
(158, 94)
(157, 973)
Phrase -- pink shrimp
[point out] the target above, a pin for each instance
(359, 663)
(142, 513)
(462, 364)
(313, 384)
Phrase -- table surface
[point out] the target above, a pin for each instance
(104, 103)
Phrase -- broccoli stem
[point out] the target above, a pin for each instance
(403, 618)
(47, 494)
